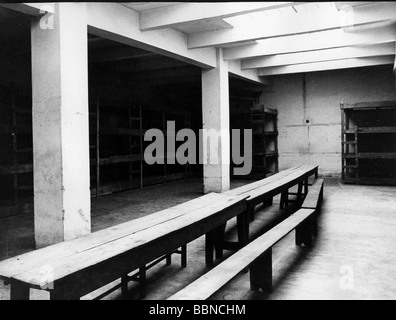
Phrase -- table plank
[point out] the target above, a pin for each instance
(202, 221)
(38, 258)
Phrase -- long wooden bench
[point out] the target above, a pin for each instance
(258, 192)
(80, 266)
(257, 255)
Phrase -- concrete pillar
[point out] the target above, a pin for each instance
(60, 125)
(216, 115)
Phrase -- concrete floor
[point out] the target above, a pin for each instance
(352, 258)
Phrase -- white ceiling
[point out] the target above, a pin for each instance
(257, 29)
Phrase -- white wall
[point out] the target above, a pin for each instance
(320, 140)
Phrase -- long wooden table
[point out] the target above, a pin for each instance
(77, 267)
(263, 191)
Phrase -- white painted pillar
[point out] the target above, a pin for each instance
(216, 114)
(60, 125)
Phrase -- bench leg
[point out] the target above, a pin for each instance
(19, 291)
(184, 256)
(124, 285)
(250, 211)
(299, 193)
(60, 294)
(305, 186)
(304, 233)
(315, 223)
(268, 202)
(219, 234)
(261, 272)
(243, 229)
(284, 200)
(169, 259)
(209, 246)
(142, 282)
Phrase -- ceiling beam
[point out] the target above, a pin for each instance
(117, 23)
(327, 65)
(114, 22)
(383, 49)
(31, 9)
(234, 68)
(300, 23)
(116, 53)
(313, 41)
(167, 17)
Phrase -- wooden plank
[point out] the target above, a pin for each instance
(275, 183)
(196, 223)
(312, 199)
(257, 195)
(117, 159)
(22, 168)
(377, 130)
(371, 105)
(251, 186)
(98, 275)
(216, 278)
(38, 258)
(377, 155)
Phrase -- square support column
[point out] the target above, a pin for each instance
(216, 119)
(62, 204)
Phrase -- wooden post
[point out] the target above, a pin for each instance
(243, 228)
(209, 246)
(124, 285)
(219, 241)
(142, 282)
(184, 256)
(304, 233)
(299, 193)
(261, 272)
(19, 291)
(168, 259)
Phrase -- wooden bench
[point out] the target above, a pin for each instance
(263, 191)
(257, 255)
(80, 266)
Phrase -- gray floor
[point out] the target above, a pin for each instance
(352, 258)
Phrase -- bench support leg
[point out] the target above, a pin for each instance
(124, 285)
(299, 193)
(219, 234)
(284, 200)
(305, 186)
(19, 291)
(250, 213)
(261, 272)
(315, 223)
(142, 282)
(243, 228)
(304, 233)
(184, 256)
(268, 202)
(169, 259)
(209, 246)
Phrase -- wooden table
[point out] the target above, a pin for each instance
(263, 191)
(82, 265)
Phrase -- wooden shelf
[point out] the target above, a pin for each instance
(377, 130)
(377, 155)
(364, 121)
(271, 133)
(117, 159)
(17, 169)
